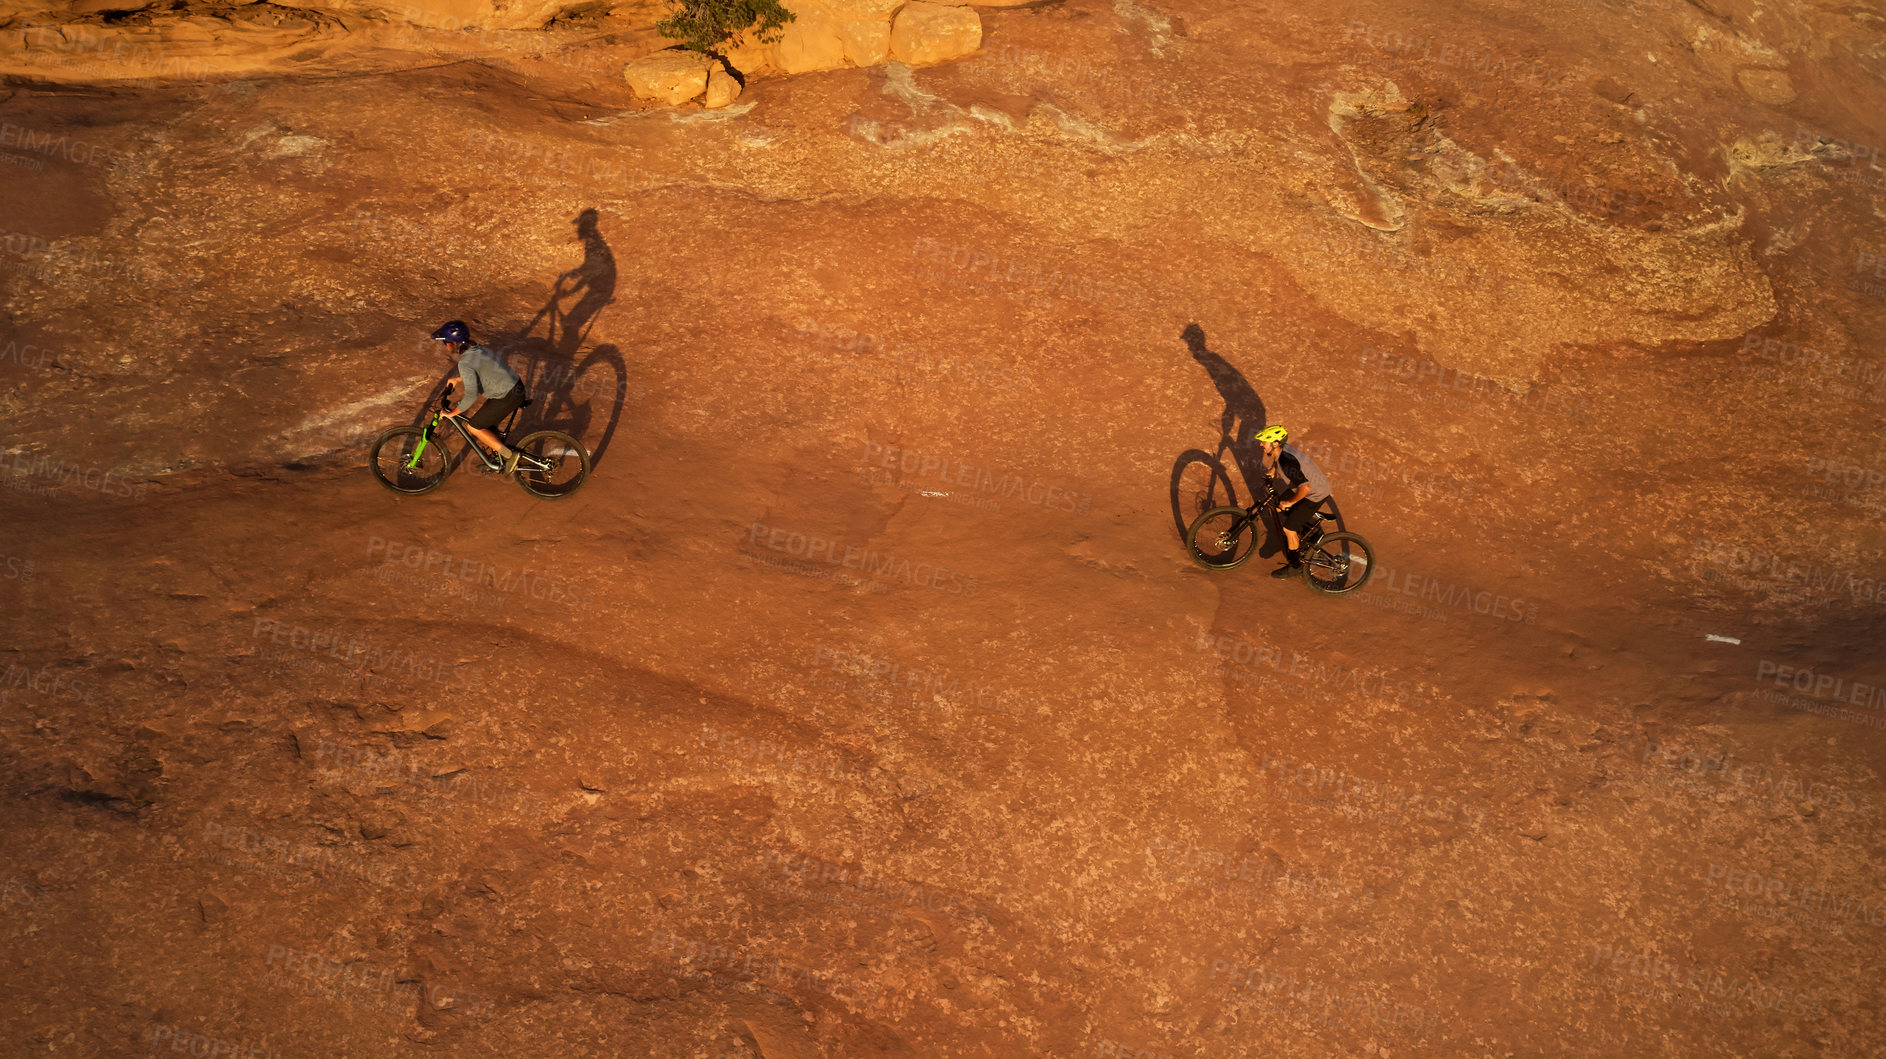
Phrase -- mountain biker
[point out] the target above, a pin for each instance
(482, 376)
(1300, 487)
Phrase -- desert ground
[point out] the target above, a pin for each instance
(864, 701)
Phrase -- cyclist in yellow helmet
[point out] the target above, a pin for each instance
(1300, 486)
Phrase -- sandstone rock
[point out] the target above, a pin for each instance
(447, 15)
(1766, 86)
(824, 35)
(67, 46)
(748, 55)
(671, 76)
(810, 41)
(211, 908)
(722, 89)
(983, 3)
(866, 43)
(864, 10)
(924, 32)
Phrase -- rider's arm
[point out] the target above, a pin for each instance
(454, 411)
(1301, 491)
(467, 378)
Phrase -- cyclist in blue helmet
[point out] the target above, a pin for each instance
(486, 381)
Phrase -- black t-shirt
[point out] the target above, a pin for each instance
(1293, 469)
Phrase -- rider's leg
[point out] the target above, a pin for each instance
(488, 416)
(1291, 521)
(1292, 564)
(490, 439)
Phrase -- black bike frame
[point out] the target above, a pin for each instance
(490, 460)
(1253, 513)
(491, 463)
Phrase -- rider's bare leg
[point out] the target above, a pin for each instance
(490, 439)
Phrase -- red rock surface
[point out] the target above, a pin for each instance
(614, 776)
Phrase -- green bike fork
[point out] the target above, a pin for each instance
(412, 464)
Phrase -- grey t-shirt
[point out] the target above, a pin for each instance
(1293, 469)
(484, 375)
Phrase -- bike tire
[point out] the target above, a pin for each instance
(1338, 548)
(391, 452)
(564, 453)
(1237, 551)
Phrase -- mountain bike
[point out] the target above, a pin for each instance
(414, 460)
(1224, 538)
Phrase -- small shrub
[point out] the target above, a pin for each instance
(703, 25)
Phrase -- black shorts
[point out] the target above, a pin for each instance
(492, 412)
(1298, 516)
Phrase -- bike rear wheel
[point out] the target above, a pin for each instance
(551, 464)
(1338, 564)
(394, 466)
(1222, 538)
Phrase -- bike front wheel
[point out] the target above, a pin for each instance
(406, 461)
(1339, 563)
(551, 464)
(1222, 538)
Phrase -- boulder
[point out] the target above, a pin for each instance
(810, 41)
(925, 32)
(746, 54)
(828, 34)
(672, 76)
(722, 89)
(866, 43)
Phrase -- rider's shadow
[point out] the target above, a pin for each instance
(1244, 410)
(572, 390)
(1200, 480)
(594, 279)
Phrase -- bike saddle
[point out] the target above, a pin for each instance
(1325, 516)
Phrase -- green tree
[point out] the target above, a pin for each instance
(703, 25)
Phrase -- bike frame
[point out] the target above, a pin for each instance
(1256, 509)
(491, 462)
(1254, 513)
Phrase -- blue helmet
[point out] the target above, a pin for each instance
(452, 331)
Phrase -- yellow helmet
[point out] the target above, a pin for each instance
(1270, 434)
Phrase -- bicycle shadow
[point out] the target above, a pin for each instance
(1200, 480)
(570, 390)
